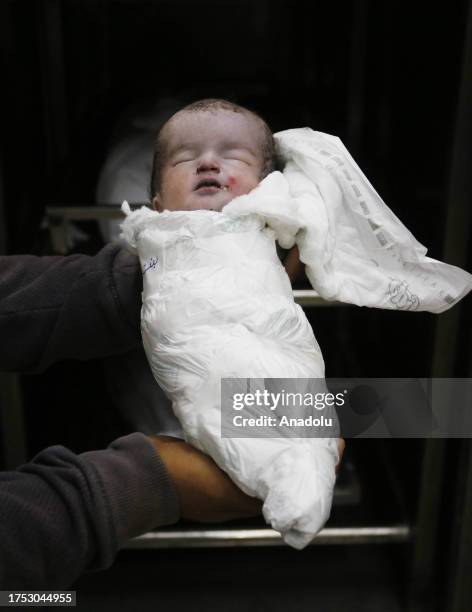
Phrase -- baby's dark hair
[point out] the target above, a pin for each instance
(269, 154)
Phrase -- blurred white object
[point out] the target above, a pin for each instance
(126, 173)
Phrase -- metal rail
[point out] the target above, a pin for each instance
(212, 538)
(59, 216)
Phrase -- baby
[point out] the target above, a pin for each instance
(218, 304)
(209, 153)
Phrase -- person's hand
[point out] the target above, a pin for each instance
(205, 492)
(341, 447)
(292, 264)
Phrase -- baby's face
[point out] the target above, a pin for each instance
(210, 158)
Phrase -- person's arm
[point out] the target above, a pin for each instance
(206, 493)
(62, 514)
(73, 307)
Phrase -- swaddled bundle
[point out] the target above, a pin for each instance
(217, 303)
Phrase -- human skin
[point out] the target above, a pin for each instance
(211, 158)
(206, 493)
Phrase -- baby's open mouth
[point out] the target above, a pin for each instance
(209, 186)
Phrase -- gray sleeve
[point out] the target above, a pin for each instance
(62, 514)
(74, 307)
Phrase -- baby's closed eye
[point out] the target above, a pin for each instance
(183, 161)
(238, 156)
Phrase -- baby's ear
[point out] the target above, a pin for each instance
(156, 202)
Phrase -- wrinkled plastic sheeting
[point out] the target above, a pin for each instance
(217, 303)
(355, 248)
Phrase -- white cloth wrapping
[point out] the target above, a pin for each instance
(354, 247)
(217, 303)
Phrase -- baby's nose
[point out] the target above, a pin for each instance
(208, 163)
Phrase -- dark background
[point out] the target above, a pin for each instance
(383, 76)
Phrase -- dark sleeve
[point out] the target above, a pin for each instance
(63, 513)
(74, 307)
